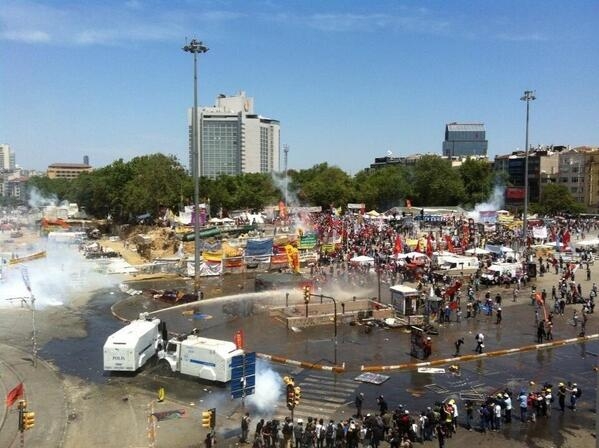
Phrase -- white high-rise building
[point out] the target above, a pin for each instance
(232, 139)
(7, 158)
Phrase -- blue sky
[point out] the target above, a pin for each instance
(349, 80)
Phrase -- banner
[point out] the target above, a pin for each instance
(307, 241)
(539, 233)
(488, 217)
(261, 246)
(355, 206)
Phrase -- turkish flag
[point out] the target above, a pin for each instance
(429, 247)
(449, 243)
(17, 392)
(238, 339)
(566, 238)
(398, 249)
(418, 247)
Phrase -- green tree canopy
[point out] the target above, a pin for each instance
(435, 182)
(557, 199)
(324, 186)
(383, 188)
(477, 178)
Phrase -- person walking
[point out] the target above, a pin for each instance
(508, 407)
(561, 396)
(549, 330)
(583, 324)
(540, 332)
(458, 345)
(574, 394)
(480, 343)
(359, 402)
(383, 407)
(245, 428)
(441, 435)
(523, 401)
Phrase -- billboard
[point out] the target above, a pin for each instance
(514, 193)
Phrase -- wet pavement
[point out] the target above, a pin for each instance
(248, 311)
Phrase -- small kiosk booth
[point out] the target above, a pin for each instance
(406, 300)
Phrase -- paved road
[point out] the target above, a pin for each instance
(80, 406)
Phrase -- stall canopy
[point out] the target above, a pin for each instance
(477, 251)
(363, 259)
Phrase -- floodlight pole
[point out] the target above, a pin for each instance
(196, 47)
(529, 95)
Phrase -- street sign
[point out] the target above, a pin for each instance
(243, 375)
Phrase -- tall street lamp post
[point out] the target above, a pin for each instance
(195, 47)
(529, 95)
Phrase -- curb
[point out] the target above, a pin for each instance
(503, 352)
(305, 365)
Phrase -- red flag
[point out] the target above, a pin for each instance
(449, 243)
(282, 210)
(238, 339)
(566, 238)
(398, 249)
(17, 392)
(429, 246)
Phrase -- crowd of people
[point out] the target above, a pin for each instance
(402, 427)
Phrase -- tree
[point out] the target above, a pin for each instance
(557, 199)
(156, 181)
(324, 185)
(435, 182)
(47, 190)
(477, 178)
(383, 188)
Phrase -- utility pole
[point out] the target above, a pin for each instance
(529, 95)
(286, 152)
(25, 276)
(196, 47)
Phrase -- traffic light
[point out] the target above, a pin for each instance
(209, 418)
(212, 418)
(297, 392)
(28, 420)
(22, 406)
(306, 294)
(290, 396)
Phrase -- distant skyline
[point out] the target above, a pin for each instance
(348, 80)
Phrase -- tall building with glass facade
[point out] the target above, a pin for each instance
(233, 139)
(465, 139)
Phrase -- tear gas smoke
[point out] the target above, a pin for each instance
(59, 279)
(494, 203)
(269, 389)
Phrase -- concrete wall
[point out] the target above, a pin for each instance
(323, 314)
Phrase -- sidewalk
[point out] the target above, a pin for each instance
(44, 393)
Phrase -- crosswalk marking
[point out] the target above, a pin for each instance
(322, 396)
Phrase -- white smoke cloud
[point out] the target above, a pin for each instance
(63, 277)
(495, 202)
(38, 200)
(268, 389)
